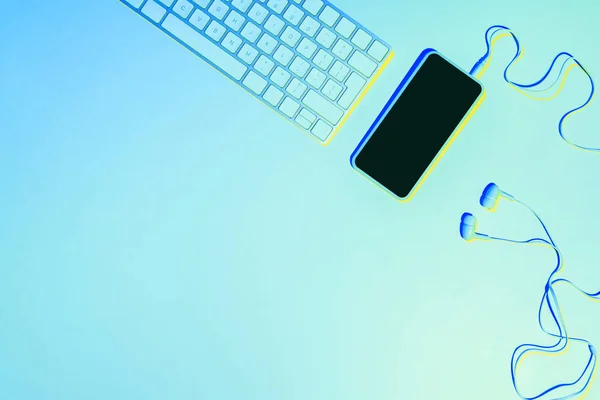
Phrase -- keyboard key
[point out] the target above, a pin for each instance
(135, 3)
(235, 21)
(251, 32)
(308, 115)
(283, 55)
(258, 13)
(277, 5)
(354, 85)
(362, 64)
(332, 90)
(264, 65)
(242, 5)
(255, 82)
(289, 107)
(323, 107)
(299, 67)
(316, 78)
(267, 43)
(154, 11)
(310, 26)
(280, 77)
(345, 28)
(303, 122)
(199, 19)
(313, 6)
(248, 54)
(339, 71)
(329, 16)
(291, 37)
(342, 49)
(306, 59)
(232, 42)
(326, 38)
(323, 60)
(216, 31)
(296, 88)
(305, 118)
(274, 25)
(204, 47)
(378, 51)
(167, 3)
(362, 39)
(321, 130)
(307, 48)
(218, 9)
(293, 15)
(183, 8)
(273, 96)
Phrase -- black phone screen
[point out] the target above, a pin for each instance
(418, 125)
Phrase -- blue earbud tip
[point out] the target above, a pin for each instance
(468, 219)
(490, 195)
(467, 226)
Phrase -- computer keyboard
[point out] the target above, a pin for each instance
(305, 59)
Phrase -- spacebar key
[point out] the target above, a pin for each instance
(204, 47)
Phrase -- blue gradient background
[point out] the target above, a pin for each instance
(163, 235)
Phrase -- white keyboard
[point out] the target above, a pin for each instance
(303, 58)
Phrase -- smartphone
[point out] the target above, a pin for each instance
(417, 125)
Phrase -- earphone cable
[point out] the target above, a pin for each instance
(548, 299)
(483, 62)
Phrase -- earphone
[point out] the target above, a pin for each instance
(489, 200)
